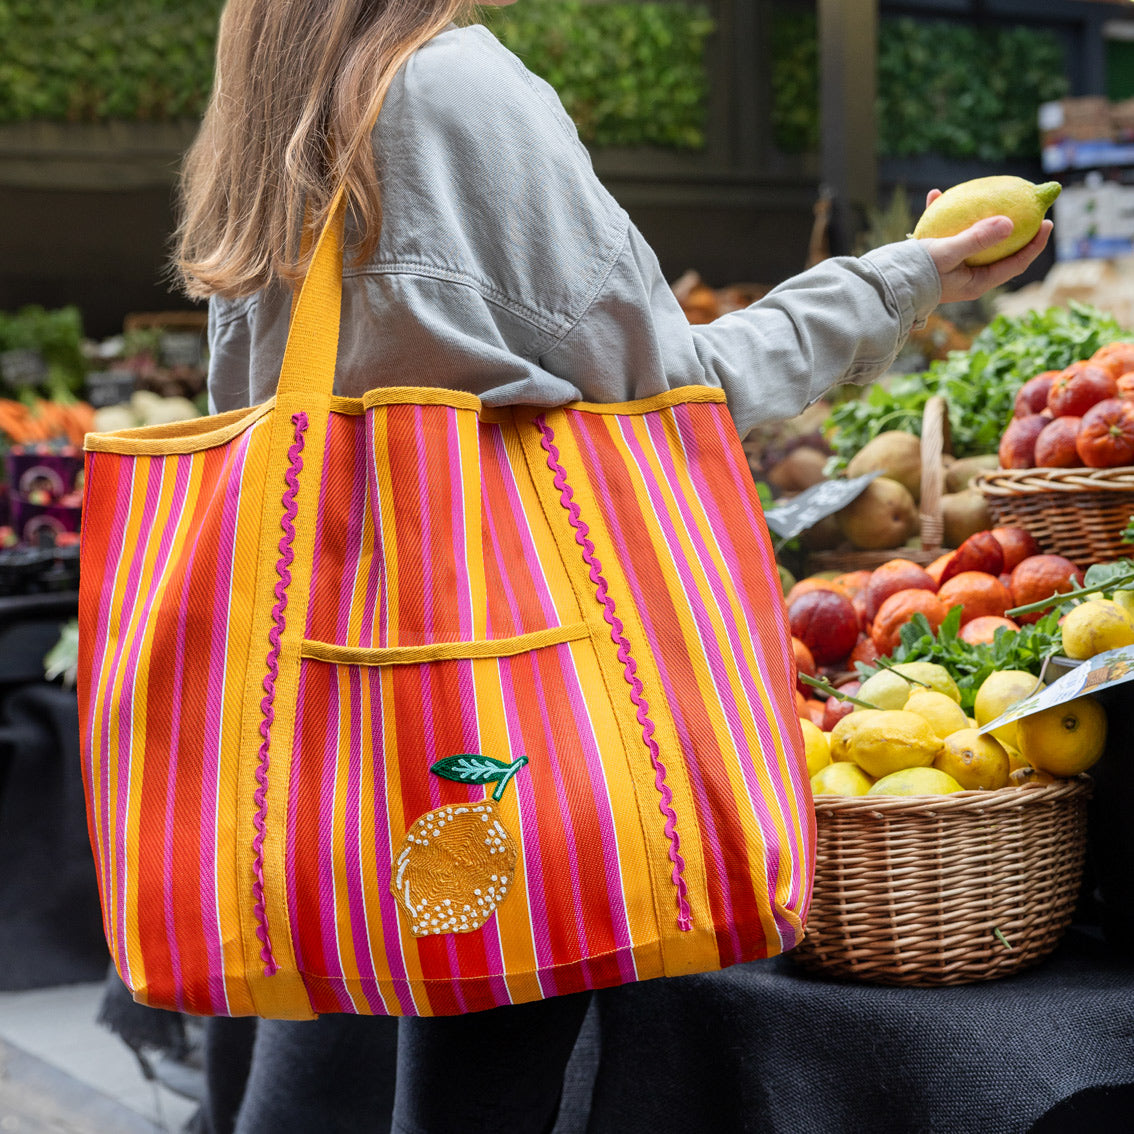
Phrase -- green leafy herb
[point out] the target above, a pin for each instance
(979, 384)
(1026, 649)
(57, 336)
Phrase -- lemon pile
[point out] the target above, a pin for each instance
(919, 741)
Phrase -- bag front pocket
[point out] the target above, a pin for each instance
(399, 758)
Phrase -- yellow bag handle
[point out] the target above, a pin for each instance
(313, 337)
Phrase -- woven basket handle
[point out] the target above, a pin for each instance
(934, 445)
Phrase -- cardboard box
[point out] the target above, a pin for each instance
(1075, 119)
(1122, 120)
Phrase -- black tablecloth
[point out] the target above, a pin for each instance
(766, 1047)
(50, 925)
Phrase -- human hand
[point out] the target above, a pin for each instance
(958, 280)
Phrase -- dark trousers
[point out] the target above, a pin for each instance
(497, 1072)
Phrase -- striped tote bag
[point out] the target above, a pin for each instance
(405, 705)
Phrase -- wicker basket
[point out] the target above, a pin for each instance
(934, 444)
(1076, 513)
(951, 889)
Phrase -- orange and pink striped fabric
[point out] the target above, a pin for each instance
(271, 664)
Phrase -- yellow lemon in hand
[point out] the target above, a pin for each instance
(816, 746)
(1095, 626)
(963, 205)
(942, 713)
(998, 693)
(916, 781)
(973, 760)
(1065, 739)
(840, 779)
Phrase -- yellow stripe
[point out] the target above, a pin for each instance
(446, 651)
(232, 826)
(281, 995)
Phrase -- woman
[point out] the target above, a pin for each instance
(484, 256)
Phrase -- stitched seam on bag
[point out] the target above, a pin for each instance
(267, 709)
(629, 667)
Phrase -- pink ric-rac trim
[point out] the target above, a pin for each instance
(283, 569)
(629, 667)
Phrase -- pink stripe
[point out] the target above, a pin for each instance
(123, 493)
(428, 630)
(352, 562)
(490, 933)
(710, 645)
(423, 502)
(352, 557)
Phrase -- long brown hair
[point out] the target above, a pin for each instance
(298, 86)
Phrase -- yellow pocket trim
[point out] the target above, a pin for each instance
(179, 436)
(445, 651)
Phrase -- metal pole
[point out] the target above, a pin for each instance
(848, 71)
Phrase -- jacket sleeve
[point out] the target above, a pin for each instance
(842, 321)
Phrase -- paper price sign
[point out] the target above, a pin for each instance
(1095, 674)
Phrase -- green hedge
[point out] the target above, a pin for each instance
(629, 74)
(92, 60)
(943, 88)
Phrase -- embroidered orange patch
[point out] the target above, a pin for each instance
(456, 863)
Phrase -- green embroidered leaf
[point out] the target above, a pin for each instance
(470, 768)
(473, 768)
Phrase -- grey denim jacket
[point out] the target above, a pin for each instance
(507, 270)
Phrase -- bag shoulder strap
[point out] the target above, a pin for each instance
(313, 337)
